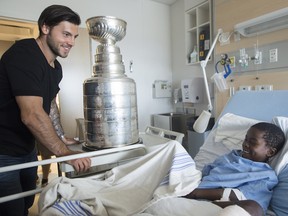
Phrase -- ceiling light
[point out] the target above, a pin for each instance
(269, 22)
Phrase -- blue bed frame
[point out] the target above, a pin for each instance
(260, 105)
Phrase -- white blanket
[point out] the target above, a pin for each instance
(172, 206)
(168, 171)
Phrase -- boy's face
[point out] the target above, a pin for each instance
(255, 147)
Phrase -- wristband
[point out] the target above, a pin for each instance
(62, 137)
(226, 194)
(239, 194)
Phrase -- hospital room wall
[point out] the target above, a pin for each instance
(226, 15)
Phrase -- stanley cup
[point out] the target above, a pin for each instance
(109, 96)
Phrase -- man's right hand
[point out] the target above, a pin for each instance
(81, 164)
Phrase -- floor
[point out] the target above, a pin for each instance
(53, 174)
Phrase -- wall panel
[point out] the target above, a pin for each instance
(227, 14)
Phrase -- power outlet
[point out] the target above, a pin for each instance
(264, 87)
(232, 62)
(244, 88)
(273, 55)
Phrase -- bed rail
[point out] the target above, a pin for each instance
(54, 160)
(159, 132)
(39, 163)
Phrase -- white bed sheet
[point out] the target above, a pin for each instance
(188, 207)
(209, 151)
(168, 171)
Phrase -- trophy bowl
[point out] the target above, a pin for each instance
(106, 29)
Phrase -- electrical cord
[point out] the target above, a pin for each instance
(224, 37)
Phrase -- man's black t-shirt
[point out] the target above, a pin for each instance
(24, 71)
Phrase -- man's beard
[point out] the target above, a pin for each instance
(54, 48)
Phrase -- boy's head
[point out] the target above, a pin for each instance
(263, 140)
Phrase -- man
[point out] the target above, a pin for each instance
(29, 80)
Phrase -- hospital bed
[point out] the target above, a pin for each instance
(243, 110)
(268, 106)
(169, 172)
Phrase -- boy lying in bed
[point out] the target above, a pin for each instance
(243, 177)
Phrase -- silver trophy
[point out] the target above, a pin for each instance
(110, 103)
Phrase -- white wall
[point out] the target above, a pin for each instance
(147, 43)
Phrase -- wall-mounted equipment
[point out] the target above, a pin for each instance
(192, 90)
(219, 78)
(162, 89)
(269, 22)
(261, 57)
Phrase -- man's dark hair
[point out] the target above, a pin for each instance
(54, 14)
(273, 135)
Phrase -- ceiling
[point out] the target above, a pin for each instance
(168, 2)
(11, 30)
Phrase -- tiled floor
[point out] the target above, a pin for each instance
(54, 173)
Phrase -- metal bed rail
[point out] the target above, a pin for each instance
(167, 134)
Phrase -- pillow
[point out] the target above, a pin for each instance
(231, 130)
(279, 201)
(279, 161)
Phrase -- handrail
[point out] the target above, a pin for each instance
(20, 195)
(66, 158)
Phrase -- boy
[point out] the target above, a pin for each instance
(243, 176)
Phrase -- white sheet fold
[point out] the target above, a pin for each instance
(172, 206)
(189, 207)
